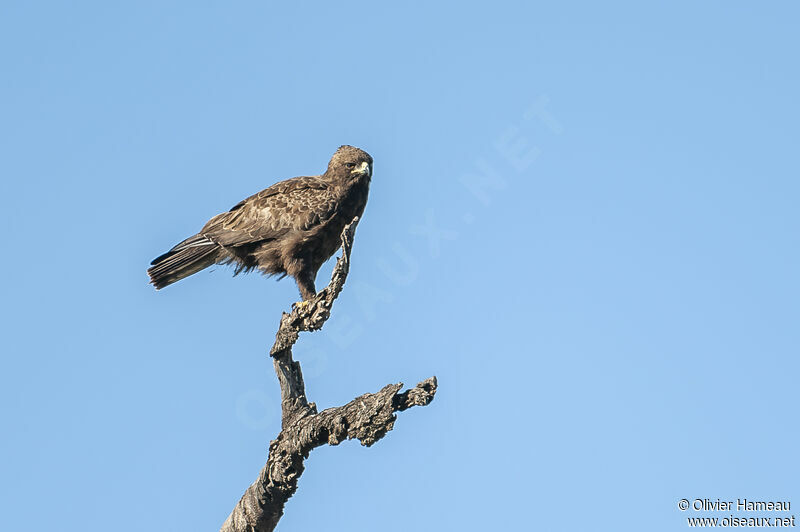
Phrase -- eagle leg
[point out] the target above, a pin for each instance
(305, 282)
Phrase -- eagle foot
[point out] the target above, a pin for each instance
(301, 305)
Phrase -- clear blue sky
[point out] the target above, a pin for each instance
(583, 220)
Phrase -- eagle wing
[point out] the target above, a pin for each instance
(296, 204)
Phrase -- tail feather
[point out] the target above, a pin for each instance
(188, 257)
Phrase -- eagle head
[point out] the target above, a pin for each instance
(349, 163)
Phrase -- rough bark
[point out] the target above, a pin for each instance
(366, 418)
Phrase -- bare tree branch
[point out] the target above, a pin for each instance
(366, 418)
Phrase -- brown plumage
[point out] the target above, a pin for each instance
(290, 228)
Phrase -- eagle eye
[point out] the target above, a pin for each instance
(350, 165)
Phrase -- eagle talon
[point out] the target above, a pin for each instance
(301, 305)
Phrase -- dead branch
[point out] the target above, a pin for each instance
(367, 418)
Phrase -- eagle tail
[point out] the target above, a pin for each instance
(190, 256)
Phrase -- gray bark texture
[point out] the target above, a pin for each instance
(366, 418)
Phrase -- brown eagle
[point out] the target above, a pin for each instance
(290, 228)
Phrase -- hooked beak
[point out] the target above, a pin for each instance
(364, 169)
